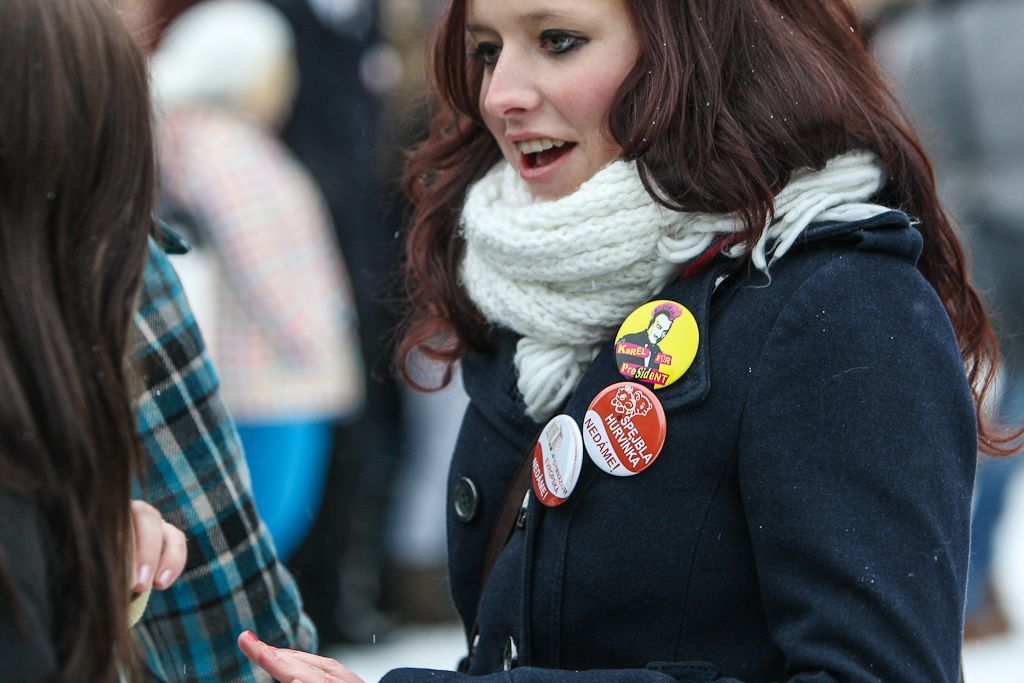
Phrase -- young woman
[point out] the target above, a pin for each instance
(800, 433)
(76, 190)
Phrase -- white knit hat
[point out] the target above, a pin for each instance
(220, 51)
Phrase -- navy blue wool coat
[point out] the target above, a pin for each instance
(807, 519)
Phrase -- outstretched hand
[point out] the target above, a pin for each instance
(293, 666)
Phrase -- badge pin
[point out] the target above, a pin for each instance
(657, 343)
(624, 429)
(557, 460)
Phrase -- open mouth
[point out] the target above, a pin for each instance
(543, 152)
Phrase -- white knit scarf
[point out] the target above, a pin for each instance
(564, 274)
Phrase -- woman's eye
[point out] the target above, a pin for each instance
(559, 41)
(487, 53)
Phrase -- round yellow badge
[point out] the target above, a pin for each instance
(657, 343)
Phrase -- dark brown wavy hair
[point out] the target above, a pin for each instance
(727, 99)
(77, 182)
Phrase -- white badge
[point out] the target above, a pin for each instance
(557, 459)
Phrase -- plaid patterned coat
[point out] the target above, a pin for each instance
(196, 475)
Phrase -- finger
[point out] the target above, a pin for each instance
(149, 540)
(172, 558)
(249, 644)
(329, 666)
(277, 663)
(283, 666)
(294, 665)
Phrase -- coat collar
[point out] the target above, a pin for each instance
(168, 239)
(890, 233)
(490, 379)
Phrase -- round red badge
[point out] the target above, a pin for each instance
(557, 459)
(624, 429)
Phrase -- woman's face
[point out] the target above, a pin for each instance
(551, 70)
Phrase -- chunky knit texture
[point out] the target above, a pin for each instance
(564, 274)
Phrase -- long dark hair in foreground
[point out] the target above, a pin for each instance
(77, 183)
(727, 100)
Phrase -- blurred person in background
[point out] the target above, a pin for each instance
(417, 586)
(958, 71)
(77, 187)
(285, 341)
(334, 129)
(375, 556)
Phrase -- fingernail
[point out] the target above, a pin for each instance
(143, 575)
(165, 578)
(250, 635)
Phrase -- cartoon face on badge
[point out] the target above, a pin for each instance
(657, 343)
(629, 403)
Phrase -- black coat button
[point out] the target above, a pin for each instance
(465, 499)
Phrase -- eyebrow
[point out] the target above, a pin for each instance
(529, 18)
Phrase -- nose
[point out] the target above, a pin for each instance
(510, 89)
